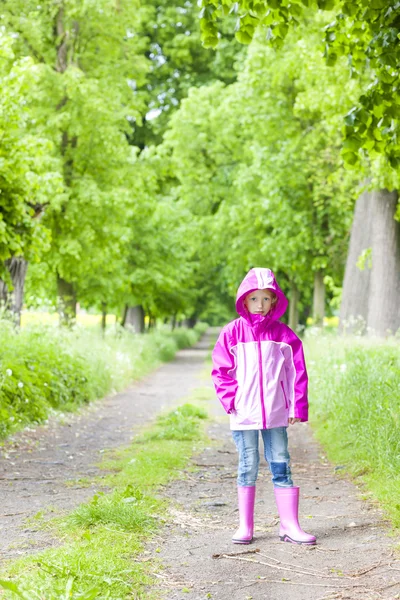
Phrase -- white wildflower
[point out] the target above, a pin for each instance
(9, 372)
(343, 367)
(20, 384)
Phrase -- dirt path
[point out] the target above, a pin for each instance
(354, 557)
(35, 465)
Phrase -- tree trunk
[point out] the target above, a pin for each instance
(123, 319)
(152, 322)
(3, 294)
(354, 305)
(13, 300)
(63, 37)
(294, 307)
(103, 317)
(384, 293)
(319, 299)
(66, 301)
(173, 322)
(191, 321)
(134, 318)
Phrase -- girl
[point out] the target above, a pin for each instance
(261, 380)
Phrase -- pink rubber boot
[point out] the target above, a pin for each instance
(246, 497)
(287, 501)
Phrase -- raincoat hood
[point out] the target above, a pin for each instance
(260, 279)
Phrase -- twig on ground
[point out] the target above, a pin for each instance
(29, 478)
(288, 582)
(312, 572)
(361, 573)
(386, 587)
(252, 551)
(206, 465)
(14, 514)
(298, 572)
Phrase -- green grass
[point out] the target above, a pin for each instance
(46, 368)
(355, 410)
(101, 540)
(180, 424)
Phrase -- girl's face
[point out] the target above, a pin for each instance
(259, 302)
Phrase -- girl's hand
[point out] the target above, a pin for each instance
(293, 420)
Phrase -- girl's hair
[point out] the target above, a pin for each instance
(274, 296)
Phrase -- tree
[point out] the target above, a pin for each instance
(29, 177)
(289, 196)
(368, 35)
(178, 62)
(88, 56)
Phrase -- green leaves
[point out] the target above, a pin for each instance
(367, 33)
(258, 163)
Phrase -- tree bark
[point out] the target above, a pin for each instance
(354, 305)
(384, 293)
(3, 294)
(66, 301)
(134, 318)
(294, 307)
(13, 300)
(62, 36)
(319, 299)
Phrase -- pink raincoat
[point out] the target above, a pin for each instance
(259, 371)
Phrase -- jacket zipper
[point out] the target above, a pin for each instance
(260, 370)
(284, 395)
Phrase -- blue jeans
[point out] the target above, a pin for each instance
(275, 451)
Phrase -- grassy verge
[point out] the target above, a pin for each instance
(101, 540)
(355, 409)
(45, 368)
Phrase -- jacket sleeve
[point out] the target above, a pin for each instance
(298, 374)
(223, 373)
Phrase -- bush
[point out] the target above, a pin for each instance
(43, 367)
(185, 338)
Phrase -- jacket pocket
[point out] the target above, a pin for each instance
(284, 395)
